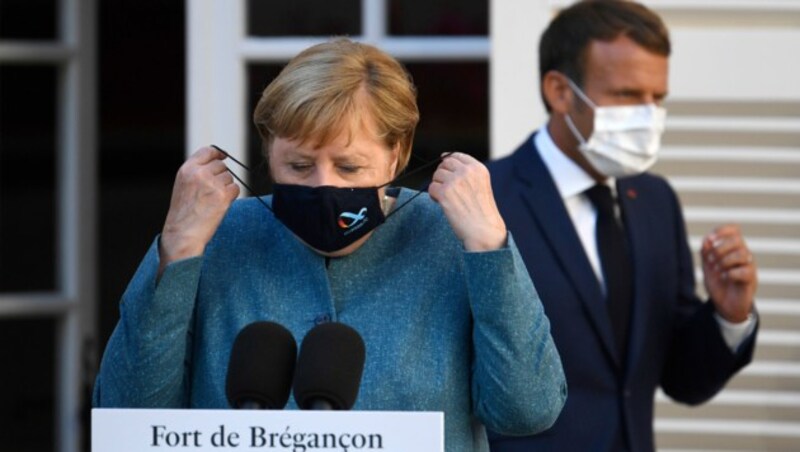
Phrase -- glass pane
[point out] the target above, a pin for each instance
(439, 17)
(303, 17)
(29, 19)
(28, 163)
(453, 101)
(141, 136)
(259, 76)
(27, 404)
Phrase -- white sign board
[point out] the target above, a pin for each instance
(140, 430)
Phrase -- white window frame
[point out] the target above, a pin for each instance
(72, 304)
(219, 52)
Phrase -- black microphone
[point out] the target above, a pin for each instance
(261, 367)
(329, 368)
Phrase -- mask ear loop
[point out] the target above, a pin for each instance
(403, 176)
(411, 173)
(238, 179)
(568, 119)
(577, 90)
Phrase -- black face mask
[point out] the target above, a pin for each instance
(329, 218)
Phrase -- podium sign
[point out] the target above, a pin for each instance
(140, 430)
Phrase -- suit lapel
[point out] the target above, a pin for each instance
(550, 214)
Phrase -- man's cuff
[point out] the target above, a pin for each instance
(736, 333)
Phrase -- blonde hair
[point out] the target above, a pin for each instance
(330, 86)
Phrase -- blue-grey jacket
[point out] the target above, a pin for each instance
(445, 329)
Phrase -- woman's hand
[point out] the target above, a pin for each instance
(203, 192)
(461, 185)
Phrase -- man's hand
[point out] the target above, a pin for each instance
(730, 273)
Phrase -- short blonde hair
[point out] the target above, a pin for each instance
(327, 87)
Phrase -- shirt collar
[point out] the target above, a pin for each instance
(571, 180)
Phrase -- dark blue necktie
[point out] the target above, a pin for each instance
(616, 264)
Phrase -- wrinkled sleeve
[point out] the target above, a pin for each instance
(145, 361)
(518, 383)
(699, 362)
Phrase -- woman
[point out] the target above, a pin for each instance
(434, 284)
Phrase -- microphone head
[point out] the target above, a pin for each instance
(329, 367)
(261, 367)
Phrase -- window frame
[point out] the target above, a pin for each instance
(73, 303)
(219, 52)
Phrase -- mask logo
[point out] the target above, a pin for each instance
(352, 221)
(309, 212)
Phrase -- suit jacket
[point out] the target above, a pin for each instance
(674, 342)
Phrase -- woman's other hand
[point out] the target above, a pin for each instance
(203, 192)
(462, 187)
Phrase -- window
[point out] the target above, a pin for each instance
(449, 64)
(46, 219)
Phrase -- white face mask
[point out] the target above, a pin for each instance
(625, 139)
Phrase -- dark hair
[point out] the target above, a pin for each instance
(565, 42)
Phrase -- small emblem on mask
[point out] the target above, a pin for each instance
(352, 221)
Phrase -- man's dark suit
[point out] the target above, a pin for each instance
(674, 339)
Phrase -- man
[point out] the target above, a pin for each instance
(605, 242)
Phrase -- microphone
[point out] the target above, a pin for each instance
(329, 368)
(261, 367)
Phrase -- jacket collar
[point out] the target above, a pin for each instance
(546, 206)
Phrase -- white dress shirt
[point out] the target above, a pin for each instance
(571, 181)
